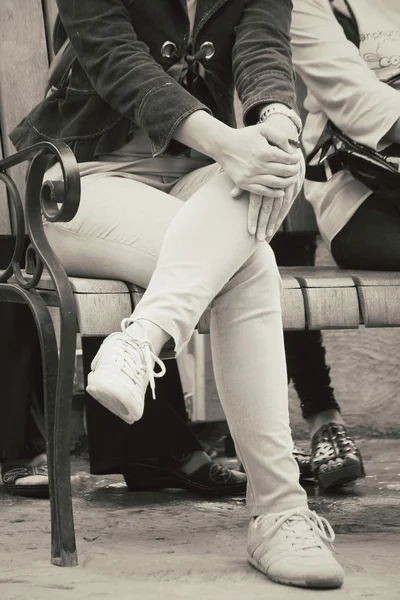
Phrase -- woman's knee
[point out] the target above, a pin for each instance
(266, 263)
(258, 278)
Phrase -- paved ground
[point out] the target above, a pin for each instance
(175, 545)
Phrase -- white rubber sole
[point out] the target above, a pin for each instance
(107, 398)
(321, 583)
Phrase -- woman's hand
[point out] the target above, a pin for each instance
(259, 160)
(266, 214)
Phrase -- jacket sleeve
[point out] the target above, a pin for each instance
(262, 60)
(121, 69)
(346, 89)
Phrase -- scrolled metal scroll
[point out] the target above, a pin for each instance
(56, 200)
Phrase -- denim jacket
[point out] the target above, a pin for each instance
(120, 80)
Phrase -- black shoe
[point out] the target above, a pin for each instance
(303, 460)
(210, 479)
(10, 475)
(335, 459)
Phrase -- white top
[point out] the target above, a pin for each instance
(348, 86)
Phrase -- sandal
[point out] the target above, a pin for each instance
(303, 460)
(335, 458)
(10, 475)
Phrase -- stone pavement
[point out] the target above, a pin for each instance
(174, 545)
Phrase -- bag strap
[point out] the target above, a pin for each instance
(328, 164)
(348, 23)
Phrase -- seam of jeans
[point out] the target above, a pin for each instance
(250, 492)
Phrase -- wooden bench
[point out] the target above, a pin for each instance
(313, 298)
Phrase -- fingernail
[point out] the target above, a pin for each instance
(252, 230)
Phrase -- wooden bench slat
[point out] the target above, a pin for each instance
(331, 308)
(330, 297)
(376, 278)
(325, 277)
(81, 285)
(293, 312)
(101, 314)
(380, 305)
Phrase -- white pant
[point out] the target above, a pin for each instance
(190, 249)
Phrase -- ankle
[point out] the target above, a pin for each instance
(147, 330)
(322, 418)
(24, 462)
(196, 460)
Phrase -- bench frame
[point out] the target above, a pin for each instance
(58, 370)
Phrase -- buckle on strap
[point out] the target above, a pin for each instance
(327, 168)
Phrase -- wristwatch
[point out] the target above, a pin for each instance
(281, 109)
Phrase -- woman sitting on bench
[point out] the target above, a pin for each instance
(179, 201)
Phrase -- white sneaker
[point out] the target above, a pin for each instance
(289, 548)
(121, 371)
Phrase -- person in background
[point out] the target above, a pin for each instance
(347, 79)
(335, 459)
(159, 451)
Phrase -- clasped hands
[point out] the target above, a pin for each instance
(262, 162)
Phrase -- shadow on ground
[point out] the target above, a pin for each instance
(171, 544)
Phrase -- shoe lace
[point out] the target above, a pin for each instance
(132, 356)
(304, 527)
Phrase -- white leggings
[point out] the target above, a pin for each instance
(191, 249)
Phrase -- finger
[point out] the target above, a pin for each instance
(272, 181)
(274, 154)
(282, 170)
(253, 212)
(236, 192)
(286, 205)
(262, 190)
(275, 137)
(273, 218)
(264, 217)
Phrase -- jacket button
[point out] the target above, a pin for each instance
(209, 49)
(168, 49)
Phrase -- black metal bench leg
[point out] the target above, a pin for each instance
(58, 376)
(58, 373)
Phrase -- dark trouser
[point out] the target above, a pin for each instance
(305, 353)
(371, 239)
(21, 386)
(161, 432)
